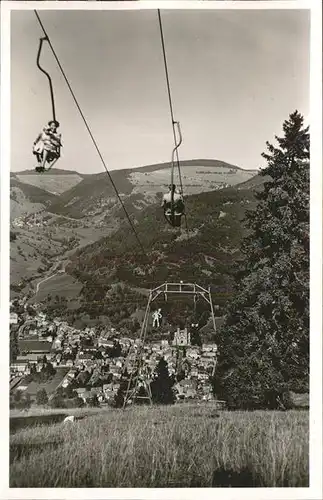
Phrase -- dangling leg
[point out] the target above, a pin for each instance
(177, 220)
(39, 167)
(38, 161)
(168, 216)
(45, 154)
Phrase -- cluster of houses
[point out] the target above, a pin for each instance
(35, 219)
(94, 361)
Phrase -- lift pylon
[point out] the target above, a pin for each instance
(138, 378)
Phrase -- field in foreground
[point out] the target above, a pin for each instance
(178, 446)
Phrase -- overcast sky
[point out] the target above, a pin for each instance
(235, 77)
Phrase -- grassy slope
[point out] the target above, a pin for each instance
(61, 285)
(80, 199)
(178, 446)
(50, 386)
(256, 182)
(34, 194)
(55, 184)
(27, 253)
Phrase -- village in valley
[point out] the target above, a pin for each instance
(68, 367)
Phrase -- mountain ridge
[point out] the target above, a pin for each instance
(192, 162)
(143, 186)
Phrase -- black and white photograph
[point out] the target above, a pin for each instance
(159, 256)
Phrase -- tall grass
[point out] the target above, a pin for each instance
(38, 411)
(177, 446)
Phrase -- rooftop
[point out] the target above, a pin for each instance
(34, 345)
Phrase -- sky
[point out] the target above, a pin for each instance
(235, 76)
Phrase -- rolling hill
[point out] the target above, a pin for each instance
(94, 196)
(88, 212)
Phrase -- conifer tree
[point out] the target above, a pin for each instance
(119, 397)
(264, 343)
(14, 349)
(161, 387)
(195, 335)
(41, 397)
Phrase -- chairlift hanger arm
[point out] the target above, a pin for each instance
(179, 134)
(177, 144)
(41, 41)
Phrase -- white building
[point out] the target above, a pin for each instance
(13, 318)
(182, 337)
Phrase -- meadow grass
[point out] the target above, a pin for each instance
(38, 411)
(178, 446)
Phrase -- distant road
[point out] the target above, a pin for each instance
(66, 217)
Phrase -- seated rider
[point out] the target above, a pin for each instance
(178, 204)
(47, 146)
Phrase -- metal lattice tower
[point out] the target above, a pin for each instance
(139, 377)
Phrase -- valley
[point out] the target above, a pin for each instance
(60, 215)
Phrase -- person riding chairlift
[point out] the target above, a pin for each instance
(47, 146)
(178, 206)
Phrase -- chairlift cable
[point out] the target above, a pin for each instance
(174, 122)
(90, 133)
